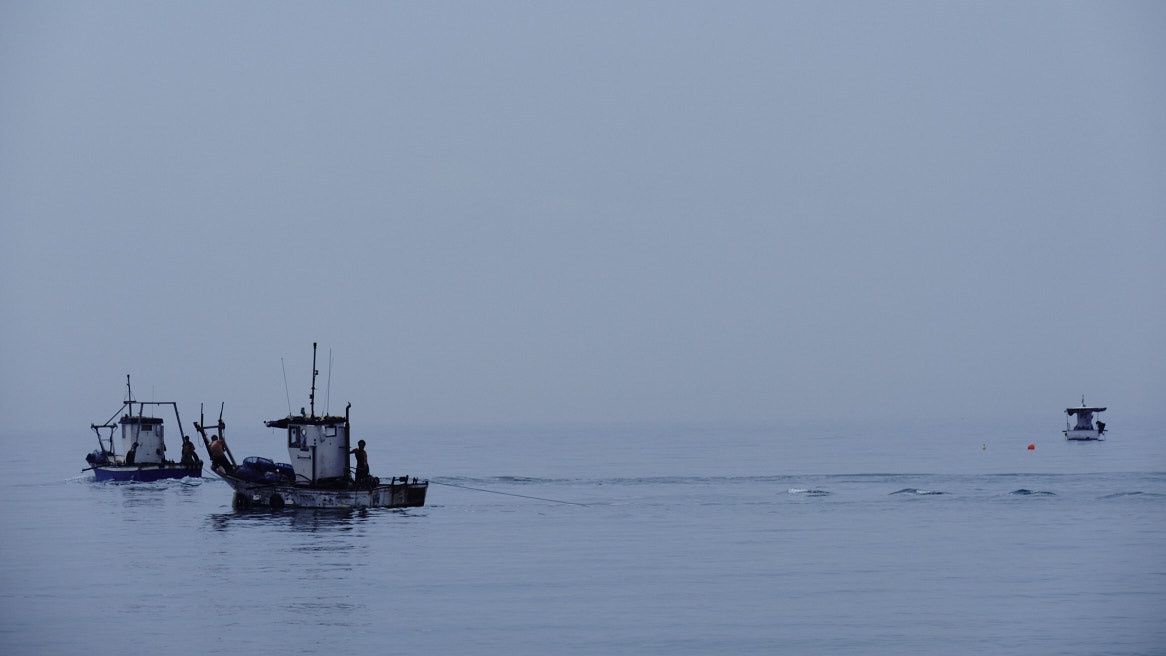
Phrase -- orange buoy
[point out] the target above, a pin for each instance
(1031, 447)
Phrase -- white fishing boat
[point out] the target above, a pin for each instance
(318, 475)
(142, 452)
(1084, 429)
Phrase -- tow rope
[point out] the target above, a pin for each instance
(509, 494)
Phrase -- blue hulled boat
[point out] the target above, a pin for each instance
(141, 455)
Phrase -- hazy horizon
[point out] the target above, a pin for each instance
(605, 212)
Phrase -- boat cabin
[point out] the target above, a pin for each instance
(142, 440)
(317, 446)
(1084, 417)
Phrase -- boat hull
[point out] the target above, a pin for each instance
(143, 473)
(398, 494)
(1079, 435)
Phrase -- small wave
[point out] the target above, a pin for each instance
(1026, 492)
(1138, 494)
(1118, 495)
(808, 492)
(912, 490)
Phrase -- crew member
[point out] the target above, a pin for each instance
(189, 457)
(361, 461)
(216, 449)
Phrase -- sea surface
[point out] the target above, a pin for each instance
(698, 539)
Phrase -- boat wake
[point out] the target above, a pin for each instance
(1023, 492)
(916, 491)
(160, 484)
(808, 492)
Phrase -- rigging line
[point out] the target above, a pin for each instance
(509, 494)
(285, 390)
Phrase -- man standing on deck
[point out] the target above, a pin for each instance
(361, 462)
(189, 457)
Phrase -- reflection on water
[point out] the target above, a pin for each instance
(145, 495)
(306, 519)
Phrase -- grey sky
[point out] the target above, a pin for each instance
(528, 212)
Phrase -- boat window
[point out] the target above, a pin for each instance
(293, 437)
(329, 431)
(159, 430)
(146, 427)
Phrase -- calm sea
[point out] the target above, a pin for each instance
(941, 539)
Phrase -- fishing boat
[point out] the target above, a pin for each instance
(1084, 429)
(318, 475)
(142, 452)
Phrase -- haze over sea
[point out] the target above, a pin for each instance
(755, 283)
(697, 539)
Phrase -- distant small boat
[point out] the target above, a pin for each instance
(142, 453)
(318, 475)
(1084, 429)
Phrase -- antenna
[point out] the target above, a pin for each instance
(312, 396)
(328, 394)
(286, 393)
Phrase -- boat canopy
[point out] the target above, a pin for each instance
(302, 420)
(1083, 410)
(138, 419)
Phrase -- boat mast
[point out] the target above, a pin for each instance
(312, 396)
